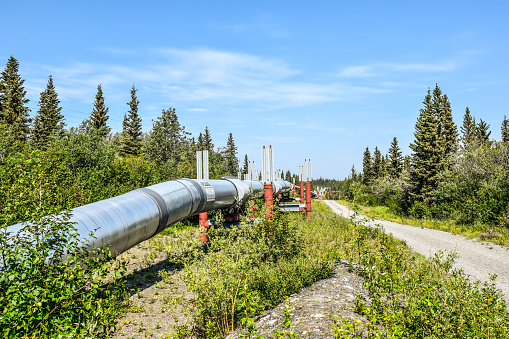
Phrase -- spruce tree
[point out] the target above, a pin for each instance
(426, 152)
(49, 120)
(13, 110)
(395, 159)
(407, 163)
(288, 176)
(131, 128)
(447, 133)
(99, 113)
(206, 142)
(468, 129)
(378, 164)
(245, 167)
(168, 139)
(449, 130)
(232, 163)
(482, 132)
(200, 141)
(505, 130)
(367, 167)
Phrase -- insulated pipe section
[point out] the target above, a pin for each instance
(126, 220)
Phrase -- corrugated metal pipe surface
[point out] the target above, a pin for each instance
(126, 220)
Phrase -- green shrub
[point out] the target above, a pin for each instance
(50, 286)
(413, 298)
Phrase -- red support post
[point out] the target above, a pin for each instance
(269, 198)
(252, 208)
(204, 226)
(301, 192)
(308, 199)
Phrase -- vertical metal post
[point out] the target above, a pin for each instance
(264, 164)
(203, 218)
(199, 166)
(308, 199)
(308, 189)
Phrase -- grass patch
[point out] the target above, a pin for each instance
(484, 233)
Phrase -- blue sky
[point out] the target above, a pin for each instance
(319, 80)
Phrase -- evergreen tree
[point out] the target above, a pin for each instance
(505, 130)
(449, 134)
(168, 139)
(426, 152)
(378, 164)
(367, 167)
(288, 176)
(232, 163)
(49, 120)
(395, 165)
(99, 113)
(482, 132)
(13, 110)
(245, 167)
(407, 163)
(206, 142)
(468, 129)
(200, 141)
(131, 128)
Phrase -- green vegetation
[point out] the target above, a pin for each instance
(99, 115)
(130, 141)
(414, 298)
(251, 268)
(49, 121)
(461, 182)
(48, 169)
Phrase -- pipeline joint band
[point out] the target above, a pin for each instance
(161, 204)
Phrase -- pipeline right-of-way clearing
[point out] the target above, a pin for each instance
(478, 260)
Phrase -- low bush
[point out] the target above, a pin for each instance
(414, 298)
(51, 287)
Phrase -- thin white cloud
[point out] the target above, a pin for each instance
(200, 77)
(382, 69)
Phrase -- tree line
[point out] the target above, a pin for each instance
(168, 141)
(458, 174)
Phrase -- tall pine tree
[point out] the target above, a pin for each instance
(131, 128)
(483, 132)
(378, 163)
(505, 130)
(367, 167)
(205, 142)
(395, 159)
(13, 110)
(99, 113)
(447, 133)
(49, 121)
(168, 139)
(468, 130)
(245, 167)
(426, 152)
(232, 163)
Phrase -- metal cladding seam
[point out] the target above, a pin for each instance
(126, 220)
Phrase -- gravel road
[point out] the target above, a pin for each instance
(476, 259)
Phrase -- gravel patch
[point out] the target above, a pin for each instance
(313, 308)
